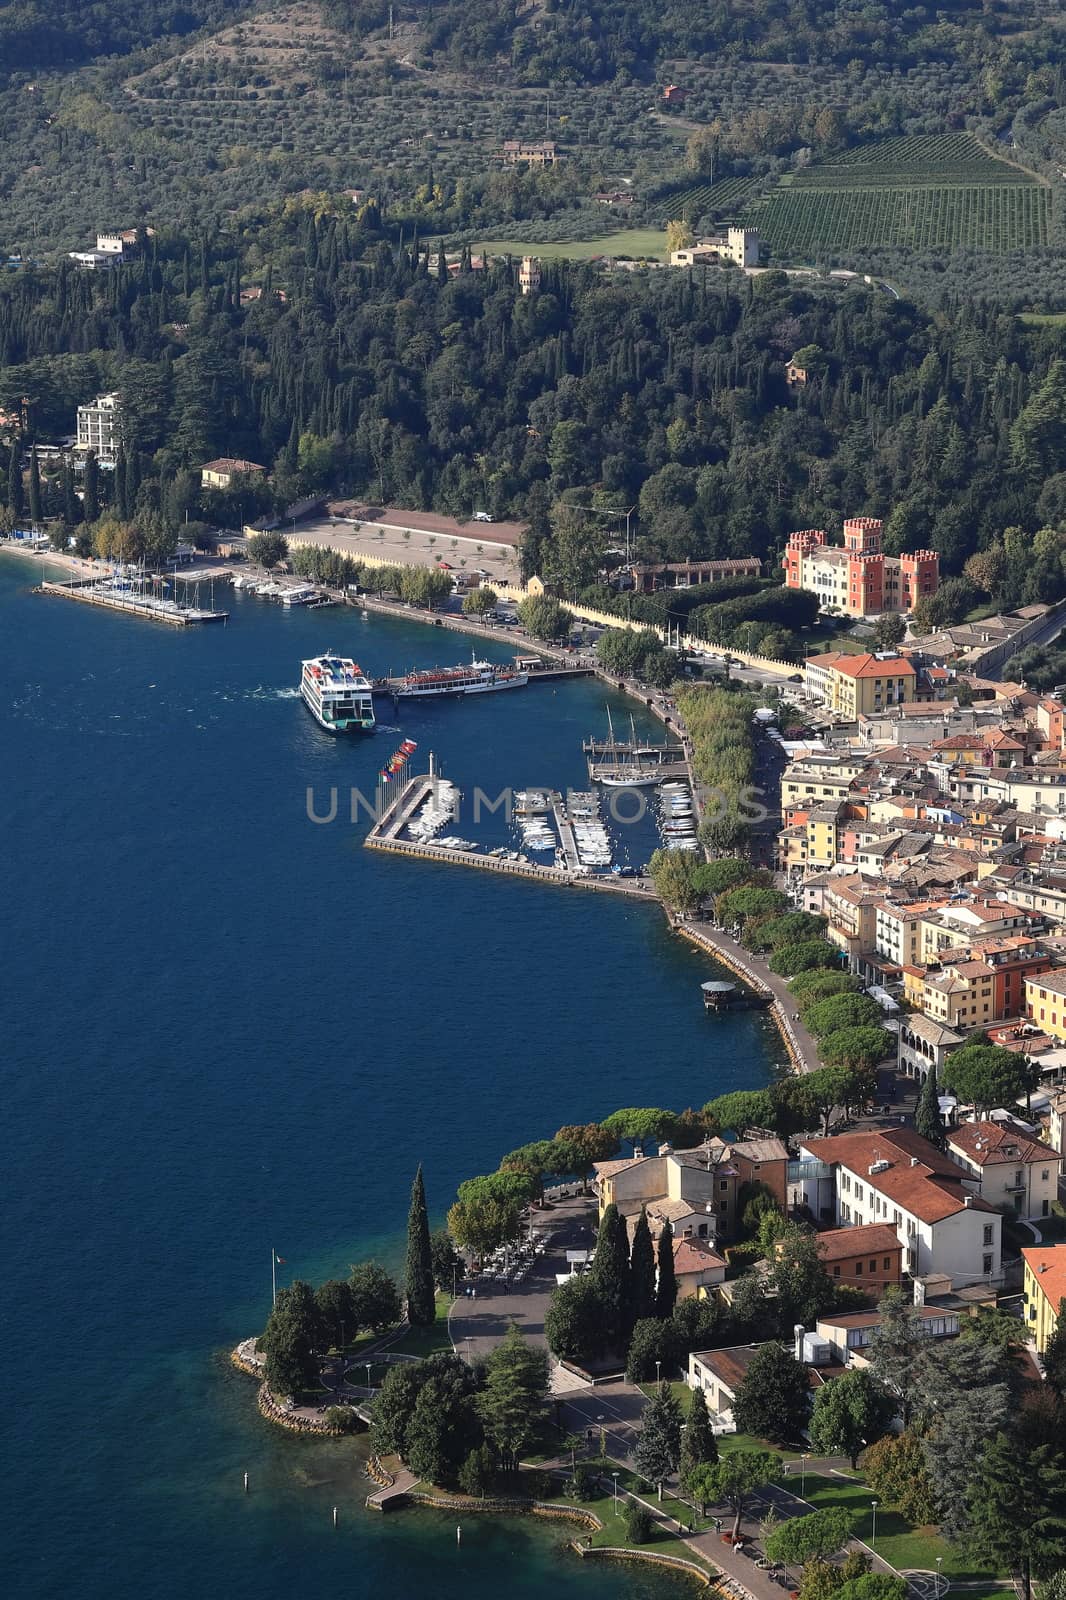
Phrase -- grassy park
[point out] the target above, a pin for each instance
(904, 1546)
(632, 242)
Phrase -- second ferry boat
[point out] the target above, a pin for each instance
(480, 677)
(338, 694)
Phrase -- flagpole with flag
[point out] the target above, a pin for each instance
(273, 1276)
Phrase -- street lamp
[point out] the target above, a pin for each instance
(804, 1458)
(658, 1369)
(873, 1531)
(939, 1559)
(614, 1475)
(368, 1377)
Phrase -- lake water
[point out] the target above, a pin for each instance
(227, 1029)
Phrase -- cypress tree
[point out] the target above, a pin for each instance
(610, 1274)
(927, 1120)
(421, 1304)
(642, 1271)
(92, 487)
(71, 503)
(35, 487)
(699, 1446)
(666, 1293)
(14, 479)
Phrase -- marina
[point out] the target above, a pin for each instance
(138, 596)
(410, 823)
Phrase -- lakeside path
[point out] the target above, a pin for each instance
(755, 971)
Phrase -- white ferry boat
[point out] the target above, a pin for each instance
(480, 677)
(338, 694)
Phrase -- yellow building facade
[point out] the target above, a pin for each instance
(1044, 1289)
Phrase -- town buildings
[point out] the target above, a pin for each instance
(896, 1178)
(868, 1257)
(1014, 1171)
(649, 576)
(859, 685)
(702, 1191)
(1044, 1290)
(858, 580)
(221, 473)
(99, 428)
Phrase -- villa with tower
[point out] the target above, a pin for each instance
(859, 580)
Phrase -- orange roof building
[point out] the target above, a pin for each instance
(894, 1177)
(1044, 1290)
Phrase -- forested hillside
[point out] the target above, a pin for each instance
(592, 41)
(377, 376)
(39, 35)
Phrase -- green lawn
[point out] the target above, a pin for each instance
(612, 1514)
(748, 1441)
(680, 1391)
(636, 242)
(426, 1341)
(1043, 319)
(897, 1542)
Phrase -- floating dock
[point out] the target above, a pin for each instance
(134, 603)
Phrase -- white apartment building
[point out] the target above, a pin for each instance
(99, 428)
(895, 1176)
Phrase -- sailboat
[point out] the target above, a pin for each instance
(627, 775)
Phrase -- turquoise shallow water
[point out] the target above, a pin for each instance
(226, 1028)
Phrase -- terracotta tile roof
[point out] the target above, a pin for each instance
(231, 464)
(1053, 982)
(867, 666)
(1047, 1263)
(828, 660)
(607, 1169)
(993, 1143)
(694, 1255)
(671, 1210)
(919, 1179)
(872, 1238)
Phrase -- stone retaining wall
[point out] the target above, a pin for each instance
(510, 1507)
(622, 1553)
(273, 1412)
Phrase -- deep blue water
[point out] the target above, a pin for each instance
(226, 1028)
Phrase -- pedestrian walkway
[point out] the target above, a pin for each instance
(756, 970)
(478, 1324)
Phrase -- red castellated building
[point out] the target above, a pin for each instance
(859, 580)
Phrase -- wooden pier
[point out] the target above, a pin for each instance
(604, 757)
(566, 832)
(718, 997)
